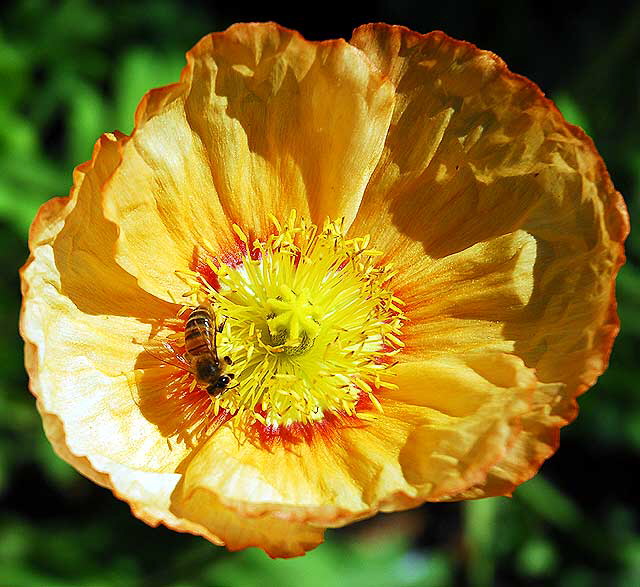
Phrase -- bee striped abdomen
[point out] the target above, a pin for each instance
(198, 331)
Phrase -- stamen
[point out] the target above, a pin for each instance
(311, 325)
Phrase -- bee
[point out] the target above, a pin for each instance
(201, 352)
(200, 334)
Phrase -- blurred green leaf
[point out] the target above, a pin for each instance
(480, 524)
(87, 121)
(384, 564)
(13, 72)
(537, 558)
(572, 111)
(138, 72)
(578, 576)
(628, 286)
(549, 503)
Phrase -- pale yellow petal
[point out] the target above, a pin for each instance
(157, 497)
(83, 364)
(147, 493)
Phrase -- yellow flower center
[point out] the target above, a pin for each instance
(310, 324)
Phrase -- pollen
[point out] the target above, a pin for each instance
(310, 321)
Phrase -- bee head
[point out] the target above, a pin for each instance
(220, 384)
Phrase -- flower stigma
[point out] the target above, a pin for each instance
(309, 321)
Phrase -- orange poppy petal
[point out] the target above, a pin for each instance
(257, 125)
(481, 399)
(450, 421)
(279, 538)
(461, 302)
(491, 157)
(539, 439)
(475, 151)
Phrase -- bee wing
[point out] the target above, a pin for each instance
(164, 352)
(209, 337)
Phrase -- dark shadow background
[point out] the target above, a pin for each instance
(71, 70)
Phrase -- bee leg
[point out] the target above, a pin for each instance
(228, 360)
(221, 326)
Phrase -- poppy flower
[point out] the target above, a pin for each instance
(322, 280)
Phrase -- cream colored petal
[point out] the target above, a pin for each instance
(157, 498)
(76, 352)
(83, 364)
(147, 493)
(84, 320)
(261, 123)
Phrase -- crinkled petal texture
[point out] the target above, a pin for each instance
(506, 229)
(500, 218)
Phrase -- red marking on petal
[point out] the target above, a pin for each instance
(268, 437)
(207, 275)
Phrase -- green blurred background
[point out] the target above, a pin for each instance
(71, 70)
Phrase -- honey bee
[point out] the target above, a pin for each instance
(200, 334)
(201, 352)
